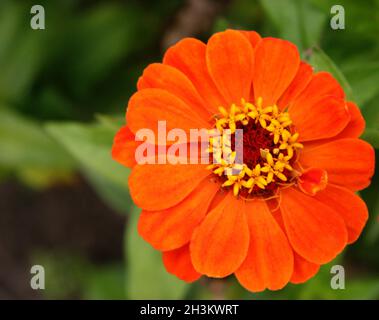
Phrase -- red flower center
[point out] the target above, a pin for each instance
(255, 138)
(269, 148)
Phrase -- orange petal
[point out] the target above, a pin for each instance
(219, 197)
(168, 78)
(252, 36)
(219, 245)
(298, 84)
(349, 206)
(156, 187)
(188, 56)
(269, 261)
(178, 262)
(230, 61)
(348, 162)
(124, 146)
(303, 270)
(315, 231)
(148, 106)
(324, 118)
(276, 64)
(313, 180)
(322, 84)
(356, 125)
(172, 228)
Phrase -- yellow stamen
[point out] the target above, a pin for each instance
(275, 163)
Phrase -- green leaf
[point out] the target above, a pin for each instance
(104, 283)
(359, 288)
(70, 275)
(10, 21)
(29, 151)
(24, 143)
(370, 234)
(364, 79)
(370, 112)
(322, 62)
(91, 146)
(296, 20)
(112, 122)
(372, 136)
(21, 53)
(221, 24)
(319, 287)
(146, 275)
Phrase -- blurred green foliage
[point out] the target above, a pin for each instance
(89, 145)
(70, 275)
(63, 93)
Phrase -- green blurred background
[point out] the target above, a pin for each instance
(64, 203)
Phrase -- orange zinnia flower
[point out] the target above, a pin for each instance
(292, 206)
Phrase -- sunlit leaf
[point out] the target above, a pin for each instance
(91, 146)
(113, 122)
(297, 21)
(364, 79)
(24, 144)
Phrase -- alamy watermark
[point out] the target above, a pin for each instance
(177, 147)
(337, 281)
(337, 22)
(37, 281)
(37, 22)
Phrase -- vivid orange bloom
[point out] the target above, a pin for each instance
(293, 206)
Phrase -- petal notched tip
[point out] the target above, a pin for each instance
(178, 262)
(313, 180)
